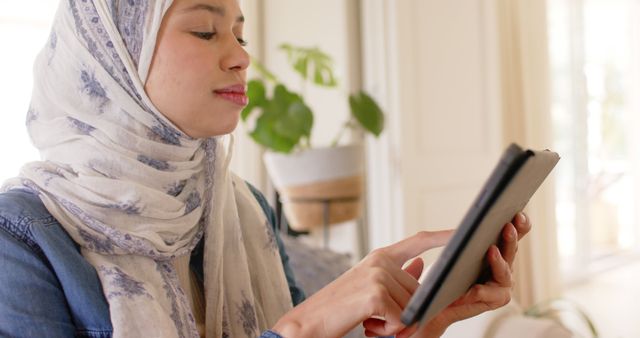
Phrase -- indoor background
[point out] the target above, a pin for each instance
(459, 80)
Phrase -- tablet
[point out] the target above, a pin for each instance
(462, 263)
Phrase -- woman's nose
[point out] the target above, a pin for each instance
(236, 57)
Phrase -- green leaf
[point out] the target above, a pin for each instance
(295, 117)
(303, 60)
(324, 76)
(265, 135)
(302, 66)
(284, 121)
(367, 112)
(297, 121)
(323, 68)
(257, 97)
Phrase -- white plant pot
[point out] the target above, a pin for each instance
(319, 186)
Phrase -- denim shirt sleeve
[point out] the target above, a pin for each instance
(62, 297)
(297, 294)
(270, 334)
(40, 280)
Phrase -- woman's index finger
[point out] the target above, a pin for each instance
(413, 246)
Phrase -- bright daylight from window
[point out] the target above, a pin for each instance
(24, 26)
(595, 58)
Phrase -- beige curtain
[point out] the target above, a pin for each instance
(526, 120)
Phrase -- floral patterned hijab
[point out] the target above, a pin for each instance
(134, 191)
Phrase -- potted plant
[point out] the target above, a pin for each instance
(317, 185)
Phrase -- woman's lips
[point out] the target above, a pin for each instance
(236, 94)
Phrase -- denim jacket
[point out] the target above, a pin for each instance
(48, 289)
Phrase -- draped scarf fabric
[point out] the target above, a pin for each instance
(134, 191)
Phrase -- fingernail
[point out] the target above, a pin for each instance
(513, 233)
(495, 252)
(522, 218)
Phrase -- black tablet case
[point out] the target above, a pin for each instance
(462, 263)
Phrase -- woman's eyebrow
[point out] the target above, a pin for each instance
(212, 9)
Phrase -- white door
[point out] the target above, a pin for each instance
(433, 64)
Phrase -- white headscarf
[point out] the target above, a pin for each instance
(134, 191)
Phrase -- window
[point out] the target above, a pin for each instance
(595, 69)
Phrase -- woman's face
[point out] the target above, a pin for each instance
(197, 77)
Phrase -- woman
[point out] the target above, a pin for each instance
(132, 224)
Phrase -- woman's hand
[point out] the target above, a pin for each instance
(376, 290)
(377, 287)
(481, 297)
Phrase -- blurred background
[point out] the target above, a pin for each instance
(459, 80)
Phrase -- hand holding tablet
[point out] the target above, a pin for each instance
(462, 262)
(388, 300)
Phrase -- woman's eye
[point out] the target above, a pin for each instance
(204, 35)
(242, 42)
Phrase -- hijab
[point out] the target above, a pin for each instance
(134, 191)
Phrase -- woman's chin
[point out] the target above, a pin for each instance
(219, 130)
